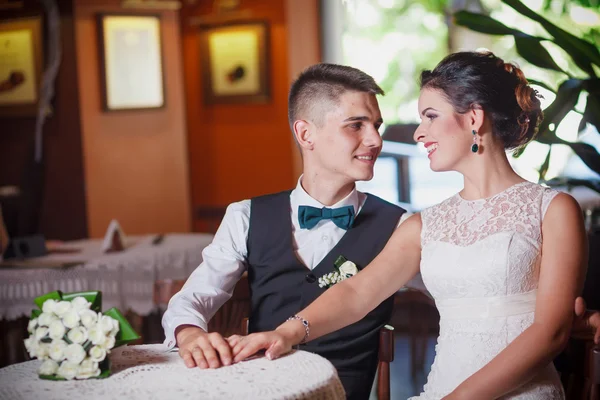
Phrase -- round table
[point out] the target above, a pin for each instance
(148, 372)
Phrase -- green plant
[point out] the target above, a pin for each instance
(584, 54)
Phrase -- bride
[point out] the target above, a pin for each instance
(504, 258)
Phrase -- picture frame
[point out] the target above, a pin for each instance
(131, 65)
(235, 63)
(21, 66)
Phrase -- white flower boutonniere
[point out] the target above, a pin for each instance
(344, 269)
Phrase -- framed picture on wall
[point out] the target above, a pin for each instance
(21, 66)
(131, 66)
(235, 63)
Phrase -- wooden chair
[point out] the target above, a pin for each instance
(386, 356)
(580, 369)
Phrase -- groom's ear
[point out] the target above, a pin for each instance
(303, 130)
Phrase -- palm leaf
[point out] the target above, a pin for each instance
(582, 52)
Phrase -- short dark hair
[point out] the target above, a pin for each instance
(325, 82)
(481, 78)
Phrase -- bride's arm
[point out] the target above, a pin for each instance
(562, 272)
(350, 300)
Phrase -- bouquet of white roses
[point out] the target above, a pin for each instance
(73, 338)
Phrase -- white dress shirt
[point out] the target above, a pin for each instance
(225, 259)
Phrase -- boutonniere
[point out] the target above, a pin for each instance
(344, 270)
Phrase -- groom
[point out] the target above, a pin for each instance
(287, 241)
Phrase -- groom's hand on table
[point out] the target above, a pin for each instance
(586, 321)
(202, 349)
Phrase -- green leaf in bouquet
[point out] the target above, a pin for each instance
(94, 297)
(52, 378)
(104, 368)
(56, 295)
(339, 261)
(35, 313)
(126, 332)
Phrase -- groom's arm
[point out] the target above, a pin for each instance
(209, 287)
(562, 271)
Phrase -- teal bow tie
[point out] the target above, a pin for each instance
(309, 216)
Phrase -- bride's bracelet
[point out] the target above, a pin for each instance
(304, 323)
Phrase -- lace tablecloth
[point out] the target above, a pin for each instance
(125, 278)
(147, 372)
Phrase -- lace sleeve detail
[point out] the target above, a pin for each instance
(425, 215)
(547, 197)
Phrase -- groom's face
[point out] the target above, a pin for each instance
(347, 142)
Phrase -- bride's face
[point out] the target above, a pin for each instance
(444, 132)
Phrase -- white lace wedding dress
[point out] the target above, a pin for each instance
(481, 261)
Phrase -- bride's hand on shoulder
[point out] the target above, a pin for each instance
(274, 343)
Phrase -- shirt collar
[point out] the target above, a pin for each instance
(299, 197)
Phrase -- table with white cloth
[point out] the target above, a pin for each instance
(148, 372)
(126, 278)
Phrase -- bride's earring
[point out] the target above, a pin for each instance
(474, 146)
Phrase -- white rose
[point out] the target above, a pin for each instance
(49, 306)
(46, 318)
(88, 318)
(88, 369)
(62, 307)
(115, 328)
(75, 353)
(97, 353)
(56, 329)
(28, 342)
(32, 345)
(80, 303)
(56, 351)
(96, 335)
(48, 367)
(32, 325)
(67, 370)
(70, 319)
(106, 323)
(41, 332)
(109, 343)
(348, 269)
(78, 335)
(42, 351)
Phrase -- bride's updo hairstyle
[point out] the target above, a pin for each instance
(470, 79)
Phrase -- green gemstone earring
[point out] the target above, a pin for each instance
(475, 146)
